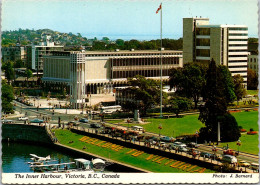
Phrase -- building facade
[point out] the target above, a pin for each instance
(35, 53)
(84, 73)
(226, 44)
(253, 62)
(14, 53)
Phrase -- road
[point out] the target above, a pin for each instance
(32, 112)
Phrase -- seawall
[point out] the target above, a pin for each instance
(26, 133)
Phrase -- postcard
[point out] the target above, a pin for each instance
(127, 91)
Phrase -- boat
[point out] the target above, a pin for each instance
(43, 164)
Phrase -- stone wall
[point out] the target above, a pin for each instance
(26, 133)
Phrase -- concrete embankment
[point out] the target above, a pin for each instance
(26, 133)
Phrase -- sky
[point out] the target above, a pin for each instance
(125, 19)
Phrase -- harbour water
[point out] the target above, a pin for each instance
(16, 155)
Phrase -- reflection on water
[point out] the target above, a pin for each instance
(16, 155)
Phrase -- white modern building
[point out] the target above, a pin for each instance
(226, 44)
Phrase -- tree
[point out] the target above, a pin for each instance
(145, 91)
(28, 74)
(179, 104)
(7, 97)
(252, 79)
(9, 70)
(215, 108)
(188, 81)
(240, 91)
(18, 64)
(226, 78)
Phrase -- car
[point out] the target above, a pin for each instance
(36, 120)
(83, 120)
(215, 157)
(229, 159)
(166, 139)
(23, 118)
(230, 152)
(193, 152)
(205, 154)
(183, 149)
(254, 166)
(192, 145)
(243, 164)
(94, 125)
(7, 121)
(73, 123)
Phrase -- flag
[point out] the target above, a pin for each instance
(160, 7)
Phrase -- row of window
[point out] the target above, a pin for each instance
(144, 61)
(237, 66)
(203, 52)
(237, 45)
(131, 54)
(238, 34)
(238, 28)
(146, 73)
(252, 60)
(237, 55)
(239, 72)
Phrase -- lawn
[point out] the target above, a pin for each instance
(190, 123)
(252, 92)
(64, 136)
(177, 126)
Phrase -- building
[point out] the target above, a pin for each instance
(253, 62)
(226, 44)
(95, 72)
(35, 53)
(14, 53)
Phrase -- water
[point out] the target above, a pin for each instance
(16, 155)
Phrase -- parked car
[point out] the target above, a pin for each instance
(94, 125)
(166, 139)
(230, 152)
(215, 157)
(36, 120)
(5, 121)
(83, 120)
(182, 149)
(138, 129)
(229, 159)
(192, 151)
(243, 164)
(23, 118)
(205, 154)
(255, 166)
(192, 145)
(73, 123)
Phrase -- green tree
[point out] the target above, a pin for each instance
(188, 81)
(18, 64)
(179, 104)
(7, 67)
(240, 91)
(28, 74)
(252, 79)
(7, 97)
(226, 78)
(215, 102)
(146, 92)
(120, 42)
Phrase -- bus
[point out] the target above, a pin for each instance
(110, 109)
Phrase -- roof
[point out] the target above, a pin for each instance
(94, 161)
(21, 78)
(83, 161)
(221, 26)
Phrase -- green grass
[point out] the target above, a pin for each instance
(252, 92)
(64, 136)
(115, 121)
(185, 125)
(190, 123)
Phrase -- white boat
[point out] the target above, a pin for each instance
(99, 164)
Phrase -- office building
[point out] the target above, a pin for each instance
(253, 62)
(35, 53)
(14, 53)
(96, 72)
(226, 44)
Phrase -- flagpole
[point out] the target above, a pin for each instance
(161, 64)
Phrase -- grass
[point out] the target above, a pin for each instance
(190, 123)
(185, 125)
(252, 92)
(64, 136)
